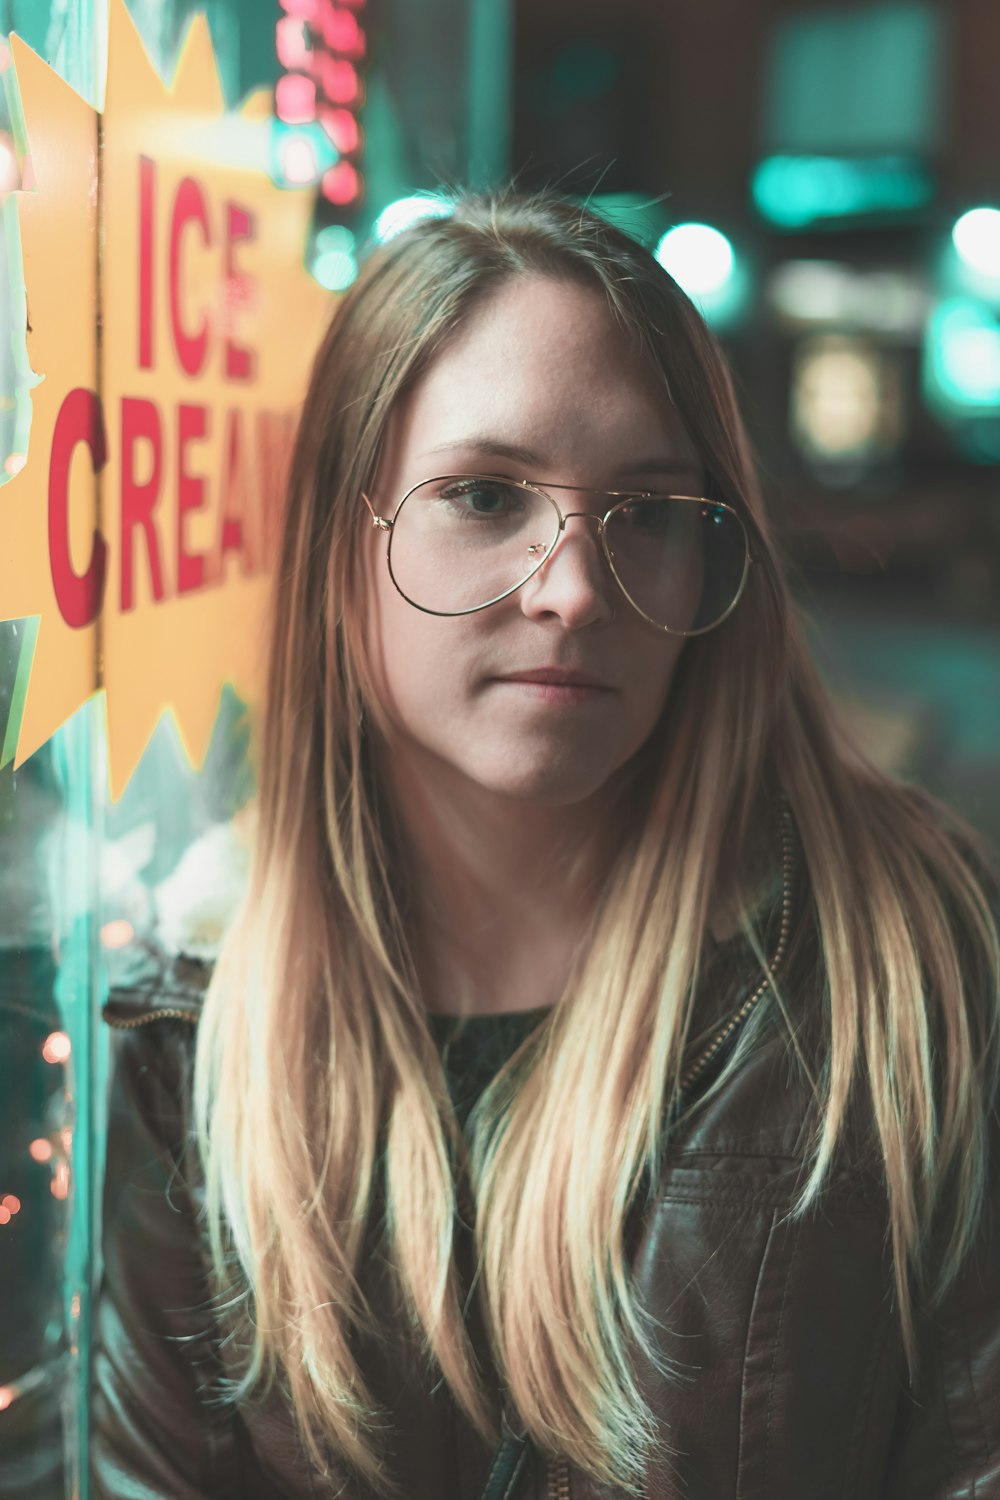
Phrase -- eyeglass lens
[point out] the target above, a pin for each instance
(460, 543)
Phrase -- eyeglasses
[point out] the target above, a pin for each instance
(461, 542)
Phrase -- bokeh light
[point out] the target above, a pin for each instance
(57, 1047)
(295, 99)
(962, 356)
(117, 933)
(40, 1150)
(794, 191)
(298, 160)
(342, 128)
(976, 237)
(698, 257)
(335, 264)
(342, 183)
(341, 33)
(291, 43)
(400, 214)
(59, 1186)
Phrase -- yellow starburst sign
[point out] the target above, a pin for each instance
(172, 323)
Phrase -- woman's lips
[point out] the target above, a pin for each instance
(556, 685)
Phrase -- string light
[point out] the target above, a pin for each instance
(320, 43)
(295, 99)
(57, 1047)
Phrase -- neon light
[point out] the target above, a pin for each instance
(342, 184)
(295, 99)
(290, 43)
(298, 159)
(342, 128)
(339, 79)
(342, 34)
(319, 42)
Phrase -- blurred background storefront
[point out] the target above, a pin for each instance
(821, 178)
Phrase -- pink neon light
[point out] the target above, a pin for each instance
(290, 43)
(342, 128)
(295, 99)
(339, 80)
(342, 34)
(342, 183)
(303, 10)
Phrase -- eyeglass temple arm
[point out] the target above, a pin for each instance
(379, 522)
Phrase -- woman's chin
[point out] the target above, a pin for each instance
(544, 784)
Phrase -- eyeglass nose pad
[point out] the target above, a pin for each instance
(540, 552)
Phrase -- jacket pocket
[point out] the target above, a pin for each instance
(819, 1320)
(751, 1180)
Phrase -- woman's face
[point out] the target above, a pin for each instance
(541, 384)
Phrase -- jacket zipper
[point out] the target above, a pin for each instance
(123, 1023)
(558, 1485)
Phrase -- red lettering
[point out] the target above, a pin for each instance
(189, 207)
(147, 191)
(232, 500)
(240, 227)
(192, 423)
(78, 595)
(140, 422)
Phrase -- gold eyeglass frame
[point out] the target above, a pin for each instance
(621, 498)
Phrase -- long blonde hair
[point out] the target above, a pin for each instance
(318, 1085)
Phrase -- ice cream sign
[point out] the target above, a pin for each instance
(170, 323)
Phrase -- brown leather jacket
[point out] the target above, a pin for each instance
(787, 1328)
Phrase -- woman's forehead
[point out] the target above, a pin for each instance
(541, 373)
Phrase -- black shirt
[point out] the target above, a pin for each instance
(474, 1049)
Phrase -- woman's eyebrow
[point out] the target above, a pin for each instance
(489, 447)
(486, 447)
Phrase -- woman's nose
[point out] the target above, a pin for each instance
(574, 583)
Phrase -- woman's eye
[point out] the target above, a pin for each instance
(648, 517)
(479, 499)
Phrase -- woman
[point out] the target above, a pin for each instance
(594, 1093)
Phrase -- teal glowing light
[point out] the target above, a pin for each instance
(406, 211)
(962, 358)
(335, 270)
(334, 264)
(698, 257)
(299, 154)
(794, 191)
(335, 237)
(976, 237)
(702, 261)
